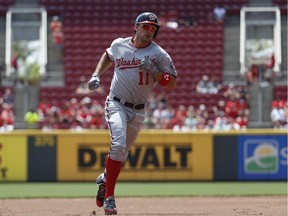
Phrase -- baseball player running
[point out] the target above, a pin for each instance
(139, 63)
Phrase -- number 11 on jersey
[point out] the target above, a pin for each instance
(143, 78)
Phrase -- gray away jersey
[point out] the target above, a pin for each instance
(129, 82)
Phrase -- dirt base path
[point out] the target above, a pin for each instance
(200, 206)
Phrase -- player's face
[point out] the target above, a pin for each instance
(146, 31)
(147, 27)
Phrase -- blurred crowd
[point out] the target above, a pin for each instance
(279, 114)
(173, 20)
(7, 114)
(230, 113)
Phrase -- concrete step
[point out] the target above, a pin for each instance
(260, 103)
(255, 124)
(234, 79)
(25, 98)
(55, 67)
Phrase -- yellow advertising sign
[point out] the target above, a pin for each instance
(81, 157)
(13, 158)
(173, 157)
(202, 156)
(154, 157)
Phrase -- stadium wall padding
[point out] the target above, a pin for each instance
(158, 155)
(225, 158)
(42, 163)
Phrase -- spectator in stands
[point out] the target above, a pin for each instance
(49, 124)
(162, 116)
(202, 85)
(167, 118)
(232, 107)
(243, 97)
(82, 114)
(190, 122)
(218, 108)
(207, 86)
(53, 116)
(243, 111)
(74, 104)
(180, 113)
(56, 28)
(8, 97)
(201, 112)
(154, 101)
(43, 108)
(95, 118)
(14, 69)
(55, 24)
(32, 118)
(209, 125)
(232, 124)
(49, 114)
(5, 126)
(58, 38)
(231, 91)
(277, 116)
(220, 121)
(7, 114)
(179, 117)
(219, 13)
(242, 120)
(201, 115)
(252, 75)
(243, 93)
(214, 86)
(278, 102)
(66, 115)
(201, 123)
(76, 126)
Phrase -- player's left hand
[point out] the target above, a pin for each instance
(148, 66)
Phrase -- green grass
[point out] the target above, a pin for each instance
(131, 189)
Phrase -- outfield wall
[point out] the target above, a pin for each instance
(158, 155)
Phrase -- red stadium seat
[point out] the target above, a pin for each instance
(91, 26)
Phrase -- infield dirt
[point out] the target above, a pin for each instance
(198, 206)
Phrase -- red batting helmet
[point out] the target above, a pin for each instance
(148, 18)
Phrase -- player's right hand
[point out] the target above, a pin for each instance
(94, 83)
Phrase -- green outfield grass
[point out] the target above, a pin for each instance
(127, 189)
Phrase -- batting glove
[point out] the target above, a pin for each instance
(148, 66)
(94, 83)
